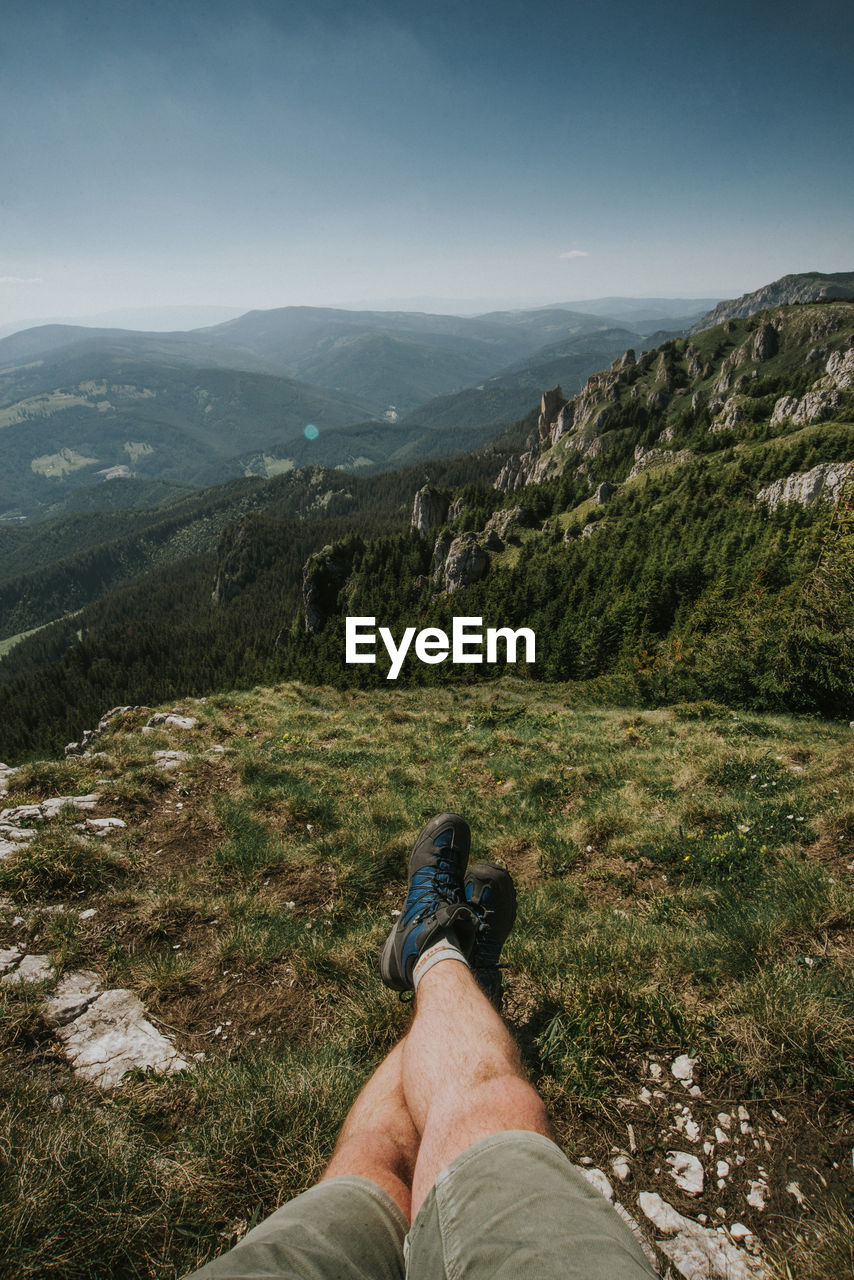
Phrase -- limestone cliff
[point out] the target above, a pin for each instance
(811, 286)
(731, 380)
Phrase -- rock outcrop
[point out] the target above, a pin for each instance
(550, 406)
(584, 419)
(111, 1035)
(811, 286)
(430, 509)
(822, 483)
(323, 576)
(466, 562)
(90, 736)
(515, 472)
(648, 459)
(817, 405)
(503, 522)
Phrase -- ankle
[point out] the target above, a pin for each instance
(440, 951)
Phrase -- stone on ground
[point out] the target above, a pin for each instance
(698, 1252)
(31, 969)
(113, 1036)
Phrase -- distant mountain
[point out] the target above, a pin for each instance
(395, 360)
(151, 319)
(90, 415)
(390, 361)
(79, 405)
(508, 396)
(809, 286)
(646, 314)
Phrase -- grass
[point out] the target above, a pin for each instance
(684, 886)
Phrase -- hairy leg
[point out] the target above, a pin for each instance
(378, 1139)
(462, 1077)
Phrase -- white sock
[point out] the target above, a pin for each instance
(441, 950)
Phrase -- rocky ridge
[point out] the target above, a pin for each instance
(812, 286)
(722, 378)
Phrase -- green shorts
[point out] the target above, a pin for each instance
(510, 1206)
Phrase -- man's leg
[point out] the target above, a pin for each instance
(378, 1139)
(462, 1075)
(352, 1223)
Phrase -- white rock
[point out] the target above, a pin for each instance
(50, 808)
(683, 1068)
(7, 848)
(655, 1070)
(9, 958)
(692, 1131)
(113, 1036)
(840, 368)
(740, 1232)
(170, 759)
(31, 969)
(103, 825)
(645, 1096)
(698, 1252)
(686, 1171)
(74, 993)
(172, 720)
(720, 1136)
(599, 1180)
(661, 1214)
(20, 813)
(22, 835)
(88, 913)
(794, 1190)
(722, 1169)
(622, 1168)
(758, 1193)
(725, 1120)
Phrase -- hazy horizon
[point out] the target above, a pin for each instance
(487, 157)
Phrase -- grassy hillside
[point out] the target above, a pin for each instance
(684, 887)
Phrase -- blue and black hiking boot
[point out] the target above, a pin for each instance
(435, 906)
(489, 890)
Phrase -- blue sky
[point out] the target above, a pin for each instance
(271, 154)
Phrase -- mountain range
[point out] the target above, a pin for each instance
(82, 406)
(680, 496)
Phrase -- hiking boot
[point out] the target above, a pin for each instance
(489, 891)
(435, 906)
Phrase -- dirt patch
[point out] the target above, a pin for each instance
(170, 842)
(311, 888)
(612, 879)
(236, 1007)
(521, 859)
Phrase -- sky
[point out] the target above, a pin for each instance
(278, 152)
